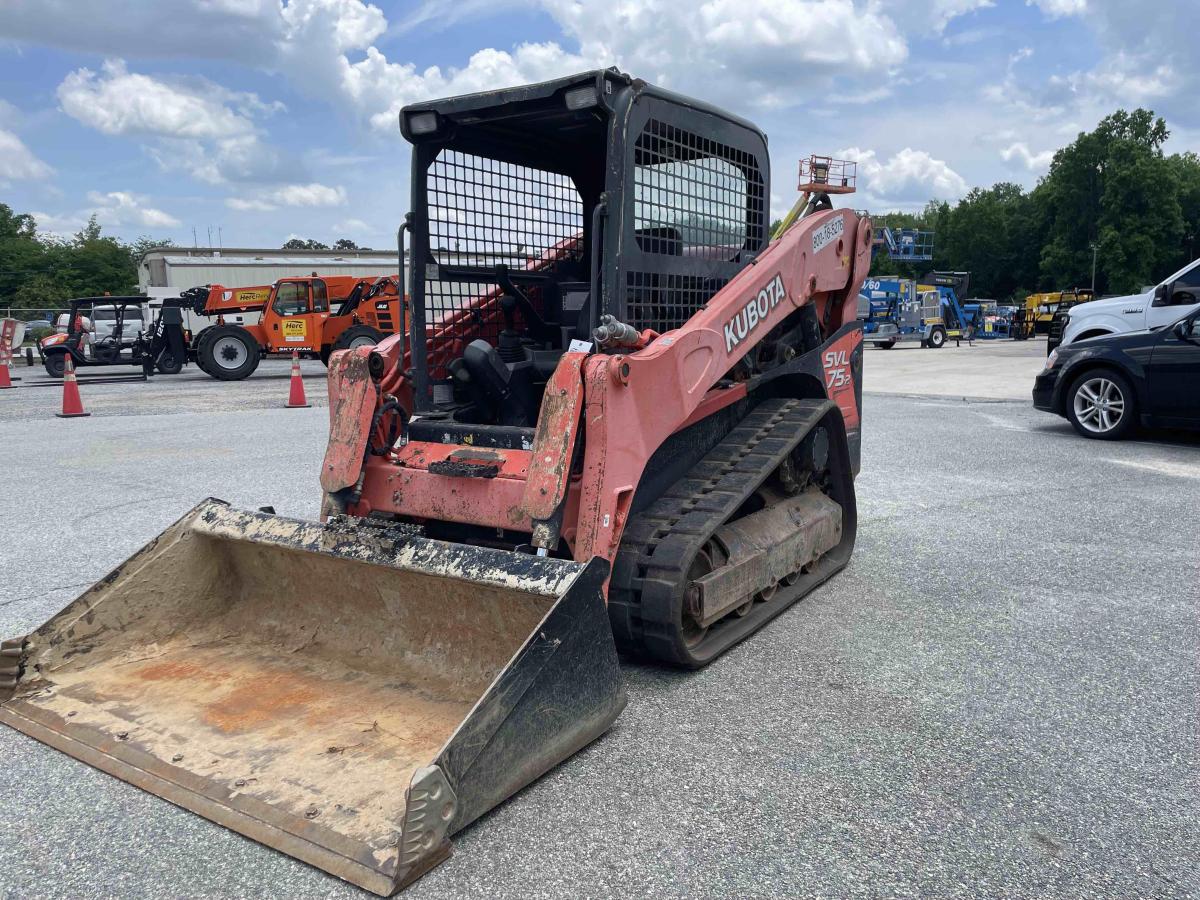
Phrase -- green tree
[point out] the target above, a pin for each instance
(299, 244)
(1111, 187)
(21, 253)
(96, 264)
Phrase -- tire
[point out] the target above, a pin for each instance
(198, 343)
(937, 338)
(167, 364)
(56, 364)
(356, 336)
(1094, 398)
(888, 345)
(229, 353)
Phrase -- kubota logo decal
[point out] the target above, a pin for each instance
(755, 311)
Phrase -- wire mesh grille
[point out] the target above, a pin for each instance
(696, 199)
(664, 301)
(482, 213)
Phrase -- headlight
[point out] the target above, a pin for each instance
(423, 123)
(1052, 360)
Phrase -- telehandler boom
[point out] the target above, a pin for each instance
(624, 416)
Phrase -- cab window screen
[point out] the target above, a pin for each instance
(320, 298)
(690, 197)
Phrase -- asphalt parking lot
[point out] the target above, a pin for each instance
(998, 697)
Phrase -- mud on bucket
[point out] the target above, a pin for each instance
(349, 695)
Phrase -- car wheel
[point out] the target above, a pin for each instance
(56, 364)
(937, 338)
(1101, 405)
(887, 345)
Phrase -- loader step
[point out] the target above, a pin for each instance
(668, 547)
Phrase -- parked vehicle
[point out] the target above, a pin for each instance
(108, 331)
(896, 310)
(1040, 311)
(1162, 304)
(313, 316)
(1106, 385)
(131, 318)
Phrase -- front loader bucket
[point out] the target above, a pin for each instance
(349, 694)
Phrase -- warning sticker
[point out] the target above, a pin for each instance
(295, 330)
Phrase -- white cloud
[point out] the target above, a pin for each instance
(291, 195)
(1128, 81)
(122, 102)
(17, 162)
(1057, 9)
(327, 49)
(354, 226)
(1020, 153)
(196, 126)
(910, 176)
(351, 24)
(124, 208)
(114, 209)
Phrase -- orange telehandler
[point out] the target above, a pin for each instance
(643, 436)
(313, 315)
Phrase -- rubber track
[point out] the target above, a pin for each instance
(660, 542)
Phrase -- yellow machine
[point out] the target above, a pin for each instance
(1039, 310)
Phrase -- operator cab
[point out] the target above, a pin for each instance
(536, 210)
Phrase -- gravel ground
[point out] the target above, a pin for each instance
(997, 697)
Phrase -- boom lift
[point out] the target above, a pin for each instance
(645, 437)
(296, 316)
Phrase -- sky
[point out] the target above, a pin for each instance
(254, 121)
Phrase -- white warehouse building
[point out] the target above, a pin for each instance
(165, 271)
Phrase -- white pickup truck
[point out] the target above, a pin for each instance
(1161, 305)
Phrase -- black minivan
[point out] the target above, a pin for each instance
(1106, 385)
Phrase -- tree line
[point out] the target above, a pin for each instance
(39, 271)
(1112, 195)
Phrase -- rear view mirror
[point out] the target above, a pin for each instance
(1160, 295)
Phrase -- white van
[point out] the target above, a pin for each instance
(1161, 305)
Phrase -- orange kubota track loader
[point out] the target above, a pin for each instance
(624, 416)
(312, 315)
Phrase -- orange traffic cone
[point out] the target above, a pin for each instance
(296, 397)
(72, 403)
(5, 374)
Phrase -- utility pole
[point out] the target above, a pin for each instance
(1094, 248)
